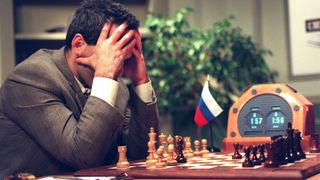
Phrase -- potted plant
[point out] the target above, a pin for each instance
(179, 58)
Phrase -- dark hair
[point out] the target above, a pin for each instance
(90, 17)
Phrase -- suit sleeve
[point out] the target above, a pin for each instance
(39, 108)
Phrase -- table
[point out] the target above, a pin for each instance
(216, 166)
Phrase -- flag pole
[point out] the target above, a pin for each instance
(211, 148)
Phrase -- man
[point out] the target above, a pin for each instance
(49, 123)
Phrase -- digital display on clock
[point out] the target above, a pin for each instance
(264, 116)
(276, 119)
(254, 119)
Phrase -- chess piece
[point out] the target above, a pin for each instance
(171, 161)
(255, 159)
(151, 161)
(160, 162)
(163, 142)
(197, 151)
(236, 154)
(299, 150)
(180, 157)
(314, 144)
(281, 144)
(204, 150)
(188, 152)
(171, 143)
(289, 142)
(152, 138)
(122, 162)
(271, 161)
(262, 157)
(152, 135)
(247, 161)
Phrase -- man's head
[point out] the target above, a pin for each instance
(84, 31)
(90, 17)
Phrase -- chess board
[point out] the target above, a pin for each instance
(215, 165)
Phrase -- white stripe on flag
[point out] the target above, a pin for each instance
(211, 103)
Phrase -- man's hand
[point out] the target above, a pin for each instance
(110, 53)
(135, 67)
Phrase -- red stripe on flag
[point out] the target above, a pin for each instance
(199, 119)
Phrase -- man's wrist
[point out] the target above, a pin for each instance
(144, 80)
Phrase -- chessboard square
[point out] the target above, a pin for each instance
(220, 162)
(232, 165)
(220, 156)
(310, 155)
(189, 165)
(210, 155)
(202, 167)
(204, 161)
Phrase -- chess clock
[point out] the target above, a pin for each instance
(265, 110)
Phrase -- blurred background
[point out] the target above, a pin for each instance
(238, 43)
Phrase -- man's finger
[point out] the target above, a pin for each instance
(104, 32)
(127, 50)
(126, 38)
(118, 32)
(139, 43)
(85, 62)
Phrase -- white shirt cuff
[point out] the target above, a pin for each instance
(145, 92)
(105, 89)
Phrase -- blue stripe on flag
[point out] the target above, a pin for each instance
(205, 111)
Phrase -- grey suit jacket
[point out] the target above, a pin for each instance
(48, 126)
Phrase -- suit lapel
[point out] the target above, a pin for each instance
(59, 59)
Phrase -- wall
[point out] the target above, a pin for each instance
(266, 21)
(6, 39)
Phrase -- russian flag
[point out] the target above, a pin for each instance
(207, 109)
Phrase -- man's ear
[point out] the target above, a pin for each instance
(78, 45)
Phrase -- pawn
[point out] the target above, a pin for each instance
(204, 150)
(255, 159)
(247, 161)
(197, 151)
(160, 163)
(163, 142)
(171, 161)
(236, 154)
(151, 161)
(188, 152)
(262, 157)
(171, 143)
(122, 162)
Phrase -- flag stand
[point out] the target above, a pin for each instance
(212, 148)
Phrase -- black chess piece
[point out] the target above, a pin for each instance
(236, 154)
(289, 142)
(299, 150)
(271, 161)
(262, 157)
(180, 157)
(281, 150)
(247, 162)
(255, 159)
(314, 144)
